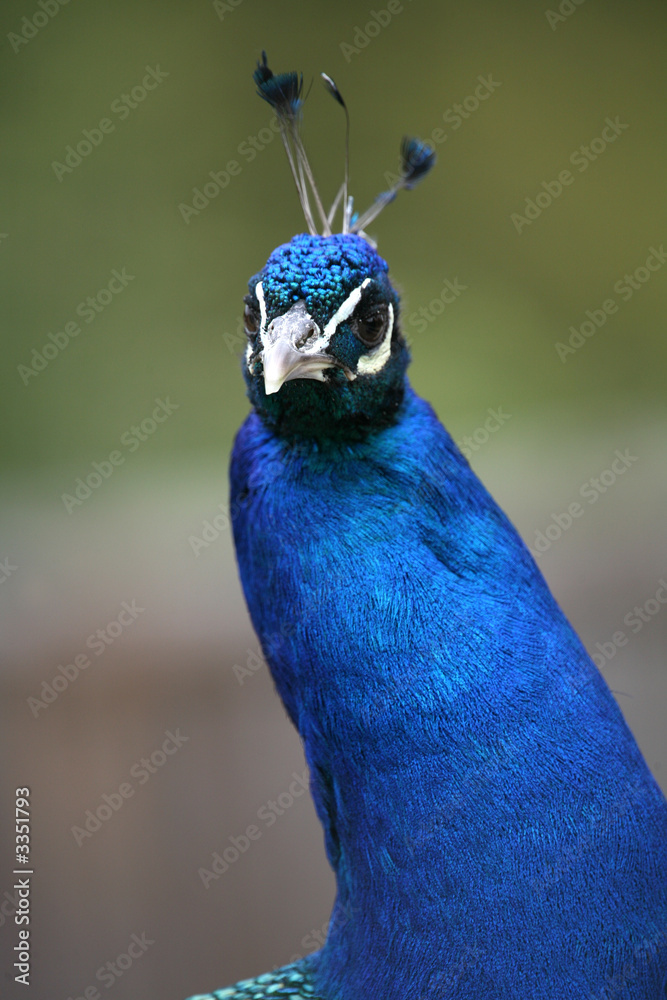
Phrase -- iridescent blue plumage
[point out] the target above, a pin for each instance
(282, 91)
(321, 271)
(292, 981)
(494, 830)
(417, 158)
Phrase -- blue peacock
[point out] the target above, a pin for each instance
(494, 830)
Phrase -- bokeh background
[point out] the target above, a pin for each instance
(188, 662)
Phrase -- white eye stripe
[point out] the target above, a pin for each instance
(345, 310)
(259, 292)
(371, 363)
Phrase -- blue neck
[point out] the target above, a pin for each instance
(460, 740)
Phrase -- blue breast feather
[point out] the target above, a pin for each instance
(493, 827)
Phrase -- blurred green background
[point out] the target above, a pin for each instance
(172, 332)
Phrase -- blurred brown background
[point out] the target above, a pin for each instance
(166, 334)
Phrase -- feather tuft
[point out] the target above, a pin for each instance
(282, 91)
(417, 158)
(337, 96)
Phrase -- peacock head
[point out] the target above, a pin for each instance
(325, 356)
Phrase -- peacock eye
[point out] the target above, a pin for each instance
(251, 318)
(370, 327)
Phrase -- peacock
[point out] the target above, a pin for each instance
(493, 828)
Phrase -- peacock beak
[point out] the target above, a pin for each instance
(293, 347)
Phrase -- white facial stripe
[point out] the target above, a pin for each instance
(259, 292)
(345, 311)
(371, 363)
(368, 364)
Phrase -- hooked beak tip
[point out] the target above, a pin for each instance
(283, 362)
(271, 387)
